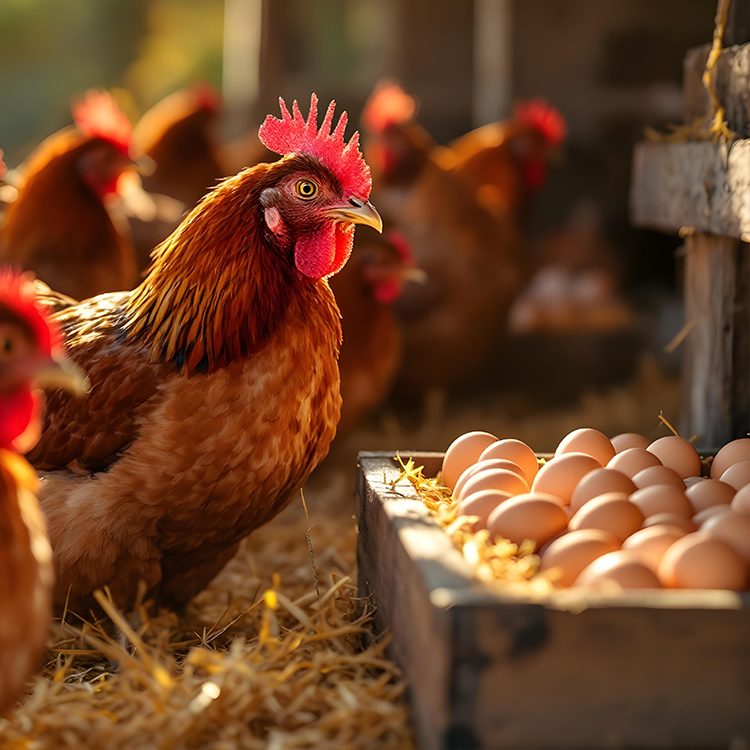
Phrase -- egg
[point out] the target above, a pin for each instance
(532, 516)
(733, 529)
(737, 475)
(731, 453)
(670, 519)
(462, 453)
(561, 475)
(678, 454)
(493, 463)
(658, 475)
(741, 501)
(517, 452)
(632, 461)
(714, 510)
(568, 555)
(699, 561)
(690, 481)
(493, 479)
(481, 504)
(709, 492)
(591, 442)
(652, 543)
(662, 498)
(624, 567)
(628, 440)
(612, 512)
(599, 482)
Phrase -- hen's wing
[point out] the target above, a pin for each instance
(89, 432)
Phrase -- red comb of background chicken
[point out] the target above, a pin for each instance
(401, 244)
(3, 168)
(18, 294)
(543, 117)
(388, 105)
(97, 116)
(208, 96)
(294, 135)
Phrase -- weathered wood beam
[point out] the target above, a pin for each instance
(700, 185)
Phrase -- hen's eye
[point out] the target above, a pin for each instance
(306, 189)
(7, 345)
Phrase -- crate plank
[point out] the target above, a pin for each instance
(576, 669)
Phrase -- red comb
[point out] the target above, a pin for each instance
(388, 105)
(294, 135)
(208, 97)
(543, 117)
(3, 168)
(401, 244)
(97, 116)
(18, 293)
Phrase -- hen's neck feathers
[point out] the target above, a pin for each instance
(218, 289)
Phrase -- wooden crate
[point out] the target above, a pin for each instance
(488, 669)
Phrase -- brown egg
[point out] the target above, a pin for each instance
(733, 529)
(699, 561)
(709, 492)
(481, 504)
(678, 454)
(670, 519)
(714, 510)
(515, 451)
(652, 543)
(632, 461)
(533, 516)
(599, 482)
(572, 552)
(612, 512)
(493, 463)
(627, 440)
(731, 453)
(462, 453)
(658, 475)
(494, 479)
(741, 501)
(662, 498)
(561, 475)
(737, 475)
(591, 442)
(623, 567)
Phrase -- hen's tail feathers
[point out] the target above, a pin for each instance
(51, 300)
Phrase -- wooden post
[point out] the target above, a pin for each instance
(706, 187)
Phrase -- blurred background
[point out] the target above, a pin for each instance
(610, 69)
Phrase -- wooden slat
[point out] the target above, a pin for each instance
(578, 669)
(703, 185)
(710, 293)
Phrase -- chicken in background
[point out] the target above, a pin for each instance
(473, 259)
(59, 226)
(30, 358)
(507, 162)
(215, 383)
(371, 352)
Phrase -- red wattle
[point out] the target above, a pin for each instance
(18, 412)
(324, 253)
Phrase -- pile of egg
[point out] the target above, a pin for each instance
(626, 510)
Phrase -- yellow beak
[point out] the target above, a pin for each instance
(357, 212)
(61, 372)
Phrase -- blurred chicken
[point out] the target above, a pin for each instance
(59, 226)
(30, 357)
(507, 162)
(365, 291)
(215, 385)
(472, 258)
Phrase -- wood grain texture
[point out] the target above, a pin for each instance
(577, 669)
(702, 185)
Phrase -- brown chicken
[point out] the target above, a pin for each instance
(59, 226)
(472, 259)
(371, 351)
(215, 386)
(30, 357)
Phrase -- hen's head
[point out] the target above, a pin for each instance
(542, 132)
(31, 357)
(318, 192)
(106, 154)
